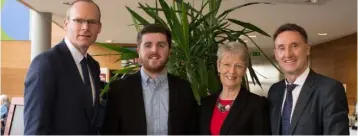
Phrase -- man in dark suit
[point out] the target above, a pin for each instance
(305, 102)
(62, 84)
(151, 101)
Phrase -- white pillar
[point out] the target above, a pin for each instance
(40, 32)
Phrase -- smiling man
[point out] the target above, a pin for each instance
(305, 102)
(62, 84)
(151, 101)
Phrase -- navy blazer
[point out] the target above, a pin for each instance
(321, 108)
(56, 101)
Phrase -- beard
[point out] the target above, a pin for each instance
(154, 69)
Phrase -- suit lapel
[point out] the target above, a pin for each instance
(208, 113)
(70, 62)
(304, 97)
(95, 76)
(237, 108)
(276, 113)
(73, 70)
(135, 84)
(173, 104)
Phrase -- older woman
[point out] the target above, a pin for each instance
(234, 110)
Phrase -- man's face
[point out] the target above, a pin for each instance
(153, 52)
(291, 52)
(83, 24)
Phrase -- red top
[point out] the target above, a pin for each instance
(218, 117)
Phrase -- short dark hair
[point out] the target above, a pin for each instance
(88, 1)
(154, 28)
(291, 27)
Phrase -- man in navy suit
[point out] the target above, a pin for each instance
(305, 103)
(62, 84)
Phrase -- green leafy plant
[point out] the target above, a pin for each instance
(196, 34)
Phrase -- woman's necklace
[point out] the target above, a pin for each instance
(223, 108)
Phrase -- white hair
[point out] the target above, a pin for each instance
(236, 48)
(4, 98)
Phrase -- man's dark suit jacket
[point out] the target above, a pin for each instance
(56, 99)
(321, 107)
(125, 113)
(249, 115)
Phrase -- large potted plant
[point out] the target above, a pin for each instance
(196, 36)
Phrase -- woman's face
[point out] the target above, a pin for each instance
(231, 69)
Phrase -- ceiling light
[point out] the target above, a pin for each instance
(314, 1)
(246, 41)
(252, 36)
(311, 1)
(322, 34)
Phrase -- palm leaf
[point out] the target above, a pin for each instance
(185, 27)
(203, 73)
(135, 15)
(124, 52)
(226, 12)
(249, 26)
(154, 15)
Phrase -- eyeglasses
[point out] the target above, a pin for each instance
(89, 21)
(236, 66)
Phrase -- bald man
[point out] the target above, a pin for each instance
(62, 84)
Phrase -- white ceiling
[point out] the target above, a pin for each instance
(335, 17)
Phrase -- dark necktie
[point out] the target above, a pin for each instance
(86, 77)
(287, 109)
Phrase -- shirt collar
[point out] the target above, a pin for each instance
(145, 77)
(302, 78)
(77, 55)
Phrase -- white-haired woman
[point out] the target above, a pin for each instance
(4, 105)
(234, 110)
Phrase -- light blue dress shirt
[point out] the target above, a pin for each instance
(156, 103)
